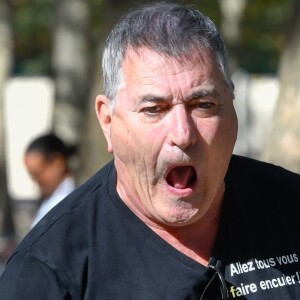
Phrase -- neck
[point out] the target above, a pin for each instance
(195, 240)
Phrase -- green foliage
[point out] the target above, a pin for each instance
(210, 8)
(32, 23)
(263, 27)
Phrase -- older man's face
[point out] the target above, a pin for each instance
(172, 132)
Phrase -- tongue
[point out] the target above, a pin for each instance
(181, 177)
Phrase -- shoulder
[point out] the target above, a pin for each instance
(263, 180)
(70, 219)
(60, 244)
(256, 170)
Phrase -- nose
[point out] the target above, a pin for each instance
(182, 128)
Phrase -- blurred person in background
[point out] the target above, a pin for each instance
(7, 245)
(46, 160)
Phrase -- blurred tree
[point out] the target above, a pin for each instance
(232, 13)
(6, 224)
(71, 66)
(93, 149)
(32, 22)
(262, 35)
(283, 146)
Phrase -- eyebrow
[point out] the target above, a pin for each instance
(203, 93)
(196, 95)
(152, 98)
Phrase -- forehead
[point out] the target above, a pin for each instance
(34, 159)
(147, 72)
(146, 60)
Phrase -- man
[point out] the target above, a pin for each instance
(175, 215)
(47, 161)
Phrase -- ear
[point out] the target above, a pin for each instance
(104, 118)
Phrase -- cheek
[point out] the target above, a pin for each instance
(229, 129)
(127, 144)
(218, 130)
(121, 134)
(43, 184)
(133, 139)
(47, 180)
(209, 130)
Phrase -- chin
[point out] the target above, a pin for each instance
(182, 219)
(180, 223)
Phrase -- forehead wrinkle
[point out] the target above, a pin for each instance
(201, 91)
(172, 83)
(161, 93)
(182, 88)
(186, 61)
(175, 86)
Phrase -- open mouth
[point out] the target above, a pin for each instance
(182, 177)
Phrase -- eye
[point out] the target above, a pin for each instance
(205, 108)
(153, 111)
(206, 105)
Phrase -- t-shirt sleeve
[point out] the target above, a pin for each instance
(27, 278)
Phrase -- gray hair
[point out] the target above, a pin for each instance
(170, 29)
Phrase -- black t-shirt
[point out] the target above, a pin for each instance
(91, 246)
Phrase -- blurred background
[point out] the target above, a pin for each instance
(50, 72)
